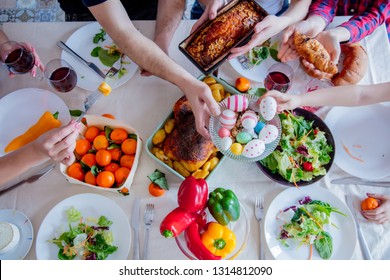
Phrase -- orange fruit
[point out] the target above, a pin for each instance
(118, 135)
(89, 159)
(129, 146)
(369, 203)
(112, 166)
(121, 175)
(103, 157)
(155, 190)
(100, 142)
(127, 161)
(109, 116)
(116, 154)
(90, 178)
(91, 133)
(243, 84)
(76, 171)
(82, 147)
(105, 179)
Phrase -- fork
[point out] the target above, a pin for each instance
(148, 220)
(259, 216)
(244, 61)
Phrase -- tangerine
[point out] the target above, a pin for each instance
(118, 135)
(127, 161)
(90, 178)
(155, 190)
(103, 157)
(243, 84)
(89, 160)
(91, 133)
(82, 147)
(112, 166)
(109, 116)
(369, 203)
(105, 179)
(129, 146)
(100, 142)
(76, 171)
(121, 175)
(116, 154)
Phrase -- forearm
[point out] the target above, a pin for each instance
(324, 9)
(353, 95)
(297, 11)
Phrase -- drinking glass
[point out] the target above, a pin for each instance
(17, 58)
(279, 77)
(60, 75)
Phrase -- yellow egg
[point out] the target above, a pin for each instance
(236, 148)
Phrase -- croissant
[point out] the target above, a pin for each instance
(354, 65)
(314, 52)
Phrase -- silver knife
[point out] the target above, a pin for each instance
(135, 227)
(91, 65)
(358, 181)
(362, 240)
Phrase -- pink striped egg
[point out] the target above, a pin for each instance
(267, 108)
(228, 119)
(254, 148)
(249, 120)
(269, 133)
(237, 103)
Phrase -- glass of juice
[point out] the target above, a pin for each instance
(17, 58)
(279, 77)
(61, 75)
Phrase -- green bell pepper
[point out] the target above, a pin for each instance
(224, 206)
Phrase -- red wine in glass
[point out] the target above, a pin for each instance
(20, 61)
(63, 79)
(277, 81)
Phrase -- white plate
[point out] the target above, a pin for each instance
(26, 234)
(90, 205)
(81, 42)
(362, 139)
(22, 108)
(344, 237)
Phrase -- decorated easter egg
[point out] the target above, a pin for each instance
(267, 108)
(243, 137)
(228, 119)
(226, 143)
(249, 119)
(259, 126)
(237, 103)
(223, 132)
(269, 133)
(254, 148)
(236, 148)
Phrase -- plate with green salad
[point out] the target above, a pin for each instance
(309, 224)
(305, 152)
(84, 227)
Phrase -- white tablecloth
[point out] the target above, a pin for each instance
(143, 103)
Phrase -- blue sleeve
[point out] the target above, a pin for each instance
(89, 3)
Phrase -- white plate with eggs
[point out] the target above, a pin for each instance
(246, 131)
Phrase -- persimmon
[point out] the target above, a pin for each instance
(100, 142)
(91, 133)
(129, 146)
(118, 135)
(155, 190)
(369, 203)
(89, 160)
(90, 178)
(82, 147)
(103, 157)
(105, 179)
(243, 84)
(76, 171)
(121, 175)
(127, 161)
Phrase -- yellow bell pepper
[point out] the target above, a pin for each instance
(105, 88)
(45, 123)
(219, 239)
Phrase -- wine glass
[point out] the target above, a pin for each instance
(17, 58)
(61, 75)
(279, 77)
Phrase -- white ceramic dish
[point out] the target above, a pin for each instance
(26, 231)
(362, 139)
(81, 41)
(92, 206)
(20, 109)
(344, 237)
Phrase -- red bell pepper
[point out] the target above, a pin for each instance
(176, 222)
(192, 194)
(195, 245)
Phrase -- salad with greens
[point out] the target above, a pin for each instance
(88, 239)
(305, 224)
(302, 152)
(260, 53)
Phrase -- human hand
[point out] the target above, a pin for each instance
(59, 143)
(203, 105)
(382, 213)
(209, 13)
(285, 101)
(268, 27)
(38, 63)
